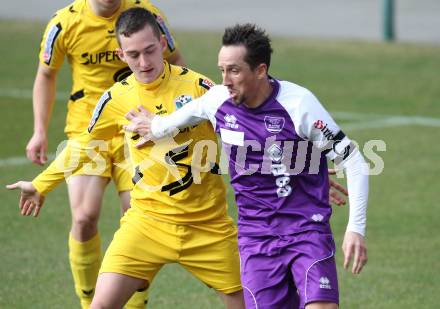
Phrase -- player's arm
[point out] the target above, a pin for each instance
(172, 54)
(43, 99)
(67, 162)
(316, 125)
(78, 153)
(51, 56)
(152, 127)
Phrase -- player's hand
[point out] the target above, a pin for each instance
(140, 123)
(36, 149)
(30, 200)
(354, 248)
(337, 192)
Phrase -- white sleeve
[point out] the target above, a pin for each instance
(192, 113)
(314, 123)
(357, 185)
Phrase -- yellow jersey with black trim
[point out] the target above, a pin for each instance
(176, 179)
(89, 43)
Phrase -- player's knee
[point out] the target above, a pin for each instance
(85, 221)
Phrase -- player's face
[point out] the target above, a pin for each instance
(142, 51)
(241, 81)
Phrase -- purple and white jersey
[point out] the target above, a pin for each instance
(277, 157)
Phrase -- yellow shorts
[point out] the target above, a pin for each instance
(209, 251)
(110, 161)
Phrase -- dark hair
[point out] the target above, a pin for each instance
(134, 20)
(254, 39)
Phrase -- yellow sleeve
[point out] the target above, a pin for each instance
(83, 149)
(165, 29)
(52, 48)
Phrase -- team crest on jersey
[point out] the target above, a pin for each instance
(98, 109)
(206, 83)
(50, 41)
(274, 124)
(182, 100)
(275, 153)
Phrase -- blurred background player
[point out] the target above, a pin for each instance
(84, 33)
(174, 217)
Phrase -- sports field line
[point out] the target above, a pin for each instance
(386, 121)
(358, 122)
(16, 93)
(20, 160)
(355, 121)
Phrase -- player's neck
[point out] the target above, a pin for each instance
(102, 10)
(264, 90)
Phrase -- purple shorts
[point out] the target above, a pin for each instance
(288, 271)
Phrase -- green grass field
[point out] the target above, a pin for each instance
(366, 85)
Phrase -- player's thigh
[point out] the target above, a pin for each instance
(314, 269)
(210, 253)
(266, 278)
(140, 247)
(114, 290)
(86, 194)
(233, 300)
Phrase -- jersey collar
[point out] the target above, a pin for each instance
(160, 81)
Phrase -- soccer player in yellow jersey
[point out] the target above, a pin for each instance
(178, 208)
(84, 33)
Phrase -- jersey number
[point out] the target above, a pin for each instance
(172, 158)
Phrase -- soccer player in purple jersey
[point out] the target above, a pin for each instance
(278, 138)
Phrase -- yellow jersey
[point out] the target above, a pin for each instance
(175, 179)
(89, 43)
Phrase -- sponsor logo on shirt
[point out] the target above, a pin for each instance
(324, 283)
(231, 121)
(274, 124)
(160, 111)
(275, 153)
(100, 57)
(206, 83)
(121, 75)
(182, 100)
(317, 217)
(322, 126)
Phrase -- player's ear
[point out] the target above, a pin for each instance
(120, 54)
(261, 70)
